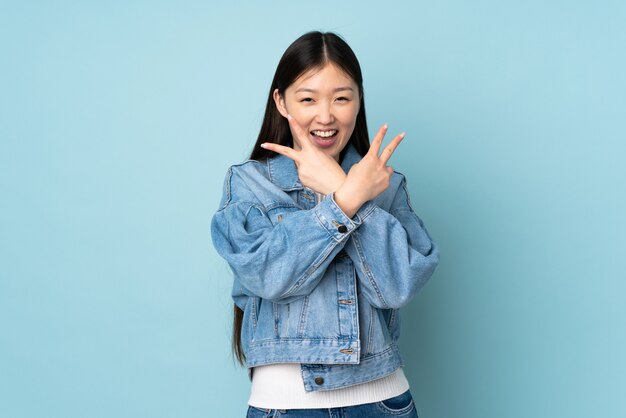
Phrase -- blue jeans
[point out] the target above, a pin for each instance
(401, 406)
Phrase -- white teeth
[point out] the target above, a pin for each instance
(324, 134)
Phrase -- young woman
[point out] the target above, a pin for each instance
(324, 245)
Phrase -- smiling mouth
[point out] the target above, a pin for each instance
(325, 134)
(324, 139)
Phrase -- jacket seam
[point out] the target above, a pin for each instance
(303, 316)
(369, 333)
(406, 193)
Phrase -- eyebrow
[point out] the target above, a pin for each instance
(315, 91)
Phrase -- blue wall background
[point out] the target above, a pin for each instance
(119, 119)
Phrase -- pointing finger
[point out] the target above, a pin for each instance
(391, 147)
(281, 149)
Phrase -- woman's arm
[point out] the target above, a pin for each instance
(280, 261)
(393, 253)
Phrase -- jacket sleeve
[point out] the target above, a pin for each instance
(279, 261)
(393, 253)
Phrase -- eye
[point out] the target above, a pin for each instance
(306, 99)
(345, 99)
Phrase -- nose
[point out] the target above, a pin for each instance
(325, 115)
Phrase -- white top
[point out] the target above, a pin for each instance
(280, 386)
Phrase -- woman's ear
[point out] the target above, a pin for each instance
(280, 103)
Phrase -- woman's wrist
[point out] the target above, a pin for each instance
(347, 200)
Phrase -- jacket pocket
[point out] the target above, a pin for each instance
(254, 412)
(280, 211)
(397, 405)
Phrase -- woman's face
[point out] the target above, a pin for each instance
(325, 103)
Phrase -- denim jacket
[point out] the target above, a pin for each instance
(317, 287)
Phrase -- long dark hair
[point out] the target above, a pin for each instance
(313, 50)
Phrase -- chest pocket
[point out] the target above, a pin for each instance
(281, 211)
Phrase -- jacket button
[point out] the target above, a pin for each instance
(342, 228)
(319, 380)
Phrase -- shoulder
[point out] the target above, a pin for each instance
(396, 193)
(248, 168)
(402, 198)
(246, 181)
(397, 183)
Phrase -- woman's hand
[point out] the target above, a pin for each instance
(316, 169)
(369, 177)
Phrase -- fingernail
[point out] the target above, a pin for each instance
(385, 126)
(402, 134)
(263, 145)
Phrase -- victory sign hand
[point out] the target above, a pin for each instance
(369, 177)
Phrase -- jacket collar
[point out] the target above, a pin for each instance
(284, 173)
